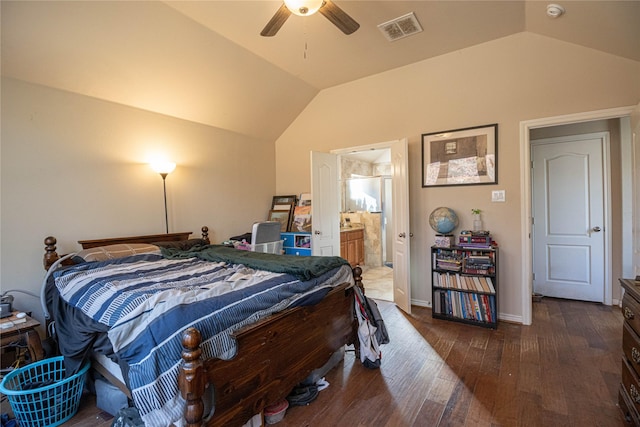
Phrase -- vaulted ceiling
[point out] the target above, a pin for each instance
(205, 61)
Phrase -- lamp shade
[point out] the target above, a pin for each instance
(163, 167)
(303, 7)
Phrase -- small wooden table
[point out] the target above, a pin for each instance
(25, 332)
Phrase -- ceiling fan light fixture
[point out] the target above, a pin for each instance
(327, 8)
(303, 7)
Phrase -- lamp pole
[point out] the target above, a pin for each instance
(164, 188)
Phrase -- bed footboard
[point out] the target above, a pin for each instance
(274, 355)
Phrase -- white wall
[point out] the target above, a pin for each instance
(76, 168)
(506, 81)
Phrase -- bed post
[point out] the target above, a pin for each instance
(191, 379)
(50, 254)
(205, 234)
(357, 277)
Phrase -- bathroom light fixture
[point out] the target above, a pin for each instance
(164, 168)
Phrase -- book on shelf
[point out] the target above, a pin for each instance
(472, 239)
(465, 283)
(479, 259)
(476, 305)
(476, 283)
(485, 271)
(485, 240)
(492, 289)
(484, 284)
(485, 304)
(446, 304)
(467, 306)
(448, 265)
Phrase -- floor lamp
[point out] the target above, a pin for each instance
(164, 169)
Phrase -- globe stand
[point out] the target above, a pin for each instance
(444, 240)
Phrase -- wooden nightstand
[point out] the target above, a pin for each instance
(24, 332)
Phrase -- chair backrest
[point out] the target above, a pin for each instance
(264, 232)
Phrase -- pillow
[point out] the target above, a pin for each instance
(103, 253)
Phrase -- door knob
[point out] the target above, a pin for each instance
(317, 232)
(596, 229)
(402, 235)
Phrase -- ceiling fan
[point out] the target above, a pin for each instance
(333, 13)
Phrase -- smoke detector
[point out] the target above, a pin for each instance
(554, 10)
(400, 27)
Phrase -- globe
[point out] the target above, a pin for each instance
(443, 220)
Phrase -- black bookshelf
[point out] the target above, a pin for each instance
(464, 285)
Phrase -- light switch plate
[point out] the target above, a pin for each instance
(498, 196)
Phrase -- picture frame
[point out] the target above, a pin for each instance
(305, 199)
(289, 206)
(282, 216)
(467, 156)
(301, 219)
(277, 200)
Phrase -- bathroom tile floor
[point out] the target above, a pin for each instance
(378, 282)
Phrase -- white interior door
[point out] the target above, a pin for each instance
(401, 226)
(325, 205)
(387, 249)
(569, 217)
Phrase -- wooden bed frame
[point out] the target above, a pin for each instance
(274, 354)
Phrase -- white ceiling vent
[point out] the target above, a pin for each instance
(400, 27)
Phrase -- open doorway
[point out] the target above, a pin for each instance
(365, 199)
(401, 234)
(571, 207)
(530, 130)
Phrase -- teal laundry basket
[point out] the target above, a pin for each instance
(40, 395)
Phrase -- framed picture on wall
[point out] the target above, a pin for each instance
(282, 217)
(466, 156)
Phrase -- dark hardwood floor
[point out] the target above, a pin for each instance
(562, 370)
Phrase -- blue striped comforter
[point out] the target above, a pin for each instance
(147, 301)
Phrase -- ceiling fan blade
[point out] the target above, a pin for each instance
(339, 17)
(276, 22)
